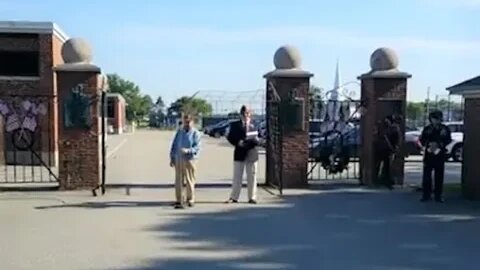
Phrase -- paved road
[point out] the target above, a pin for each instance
(331, 229)
(143, 158)
(337, 228)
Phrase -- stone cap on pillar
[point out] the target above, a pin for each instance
(287, 61)
(468, 88)
(77, 57)
(384, 64)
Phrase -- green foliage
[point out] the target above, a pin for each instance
(138, 105)
(415, 110)
(190, 105)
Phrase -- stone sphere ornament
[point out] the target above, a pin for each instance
(76, 50)
(383, 59)
(287, 57)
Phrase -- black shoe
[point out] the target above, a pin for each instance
(425, 199)
(252, 201)
(191, 204)
(179, 206)
(439, 200)
(231, 201)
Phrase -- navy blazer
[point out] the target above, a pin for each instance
(235, 135)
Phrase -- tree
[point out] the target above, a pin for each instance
(190, 105)
(157, 113)
(160, 102)
(138, 105)
(415, 110)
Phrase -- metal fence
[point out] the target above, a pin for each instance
(225, 102)
(27, 141)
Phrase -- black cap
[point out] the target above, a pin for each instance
(436, 115)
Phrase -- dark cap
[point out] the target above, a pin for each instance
(436, 115)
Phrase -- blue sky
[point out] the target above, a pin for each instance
(172, 48)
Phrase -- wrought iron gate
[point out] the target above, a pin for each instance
(28, 140)
(334, 141)
(274, 139)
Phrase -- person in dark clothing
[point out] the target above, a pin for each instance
(434, 138)
(388, 141)
(245, 156)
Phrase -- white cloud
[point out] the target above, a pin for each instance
(197, 36)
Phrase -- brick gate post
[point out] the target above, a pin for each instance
(383, 92)
(79, 94)
(470, 90)
(290, 84)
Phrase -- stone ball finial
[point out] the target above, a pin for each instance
(383, 59)
(76, 50)
(287, 57)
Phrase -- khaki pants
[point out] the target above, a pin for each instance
(251, 170)
(185, 177)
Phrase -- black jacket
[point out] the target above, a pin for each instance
(238, 133)
(439, 134)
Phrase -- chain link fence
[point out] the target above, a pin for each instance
(228, 102)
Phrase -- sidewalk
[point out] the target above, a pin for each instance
(342, 228)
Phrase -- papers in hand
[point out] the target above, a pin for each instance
(433, 148)
(252, 135)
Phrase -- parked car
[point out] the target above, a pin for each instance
(412, 142)
(454, 149)
(351, 139)
(220, 129)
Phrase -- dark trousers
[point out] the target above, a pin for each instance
(433, 164)
(384, 168)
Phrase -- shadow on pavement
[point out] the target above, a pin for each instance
(335, 229)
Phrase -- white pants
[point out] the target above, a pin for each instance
(251, 170)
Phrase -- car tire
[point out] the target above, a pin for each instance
(457, 152)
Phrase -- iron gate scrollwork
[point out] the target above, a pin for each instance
(274, 138)
(335, 140)
(27, 140)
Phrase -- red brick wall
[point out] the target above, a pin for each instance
(295, 151)
(57, 59)
(383, 97)
(46, 45)
(79, 149)
(118, 115)
(471, 149)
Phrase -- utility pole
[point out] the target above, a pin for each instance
(449, 110)
(427, 107)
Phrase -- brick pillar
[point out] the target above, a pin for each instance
(290, 85)
(383, 92)
(79, 92)
(471, 148)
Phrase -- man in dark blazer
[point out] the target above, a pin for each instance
(245, 156)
